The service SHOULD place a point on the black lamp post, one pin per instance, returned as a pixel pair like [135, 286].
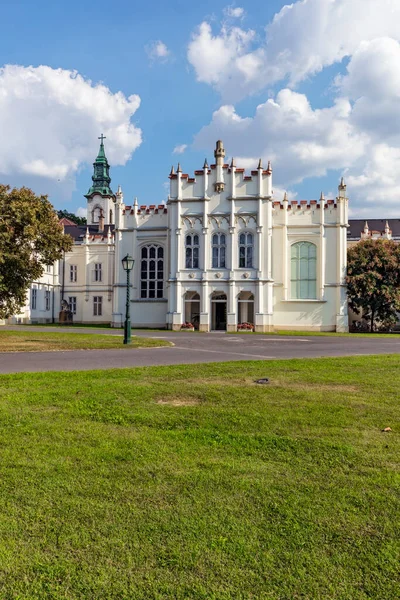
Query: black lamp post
[127, 263]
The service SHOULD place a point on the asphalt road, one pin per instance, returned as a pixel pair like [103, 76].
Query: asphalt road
[191, 348]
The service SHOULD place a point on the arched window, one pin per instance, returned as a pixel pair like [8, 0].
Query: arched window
[96, 213]
[218, 250]
[303, 280]
[152, 271]
[192, 251]
[246, 251]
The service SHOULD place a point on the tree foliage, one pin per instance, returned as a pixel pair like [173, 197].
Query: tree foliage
[67, 215]
[373, 280]
[30, 238]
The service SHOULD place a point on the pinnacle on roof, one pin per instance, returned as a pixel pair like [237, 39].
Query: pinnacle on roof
[342, 184]
[101, 174]
[172, 170]
[233, 163]
[179, 169]
[285, 197]
[205, 166]
[260, 164]
[322, 197]
[269, 167]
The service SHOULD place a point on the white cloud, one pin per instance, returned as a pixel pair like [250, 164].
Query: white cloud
[302, 39]
[158, 51]
[234, 12]
[81, 212]
[180, 149]
[51, 119]
[300, 141]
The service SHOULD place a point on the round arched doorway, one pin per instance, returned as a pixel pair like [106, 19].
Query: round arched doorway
[218, 311]
[246, 308]
[192, 308]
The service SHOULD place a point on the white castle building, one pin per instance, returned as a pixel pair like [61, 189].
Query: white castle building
[221, 252]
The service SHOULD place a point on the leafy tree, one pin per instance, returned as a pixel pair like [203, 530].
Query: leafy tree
[373, 280]
[67, 215]
[30, 238]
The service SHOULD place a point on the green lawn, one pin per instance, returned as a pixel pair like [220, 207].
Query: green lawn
[36, 341]
[193, 482]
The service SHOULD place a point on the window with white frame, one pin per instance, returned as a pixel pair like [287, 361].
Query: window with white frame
[33, 298]
[97, 306]
[73, 273]
[246, 248]
[72, 304]
[98, 272]
[303, 277]
[192, 251]
[218, 250]
[47, 299]
[152, 271]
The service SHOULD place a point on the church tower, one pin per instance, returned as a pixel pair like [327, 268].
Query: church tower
[100, 197]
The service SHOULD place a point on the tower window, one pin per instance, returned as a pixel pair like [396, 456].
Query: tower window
[192, 248]
[218, 250]
[303, 280]
[152, 271]
[246, 246]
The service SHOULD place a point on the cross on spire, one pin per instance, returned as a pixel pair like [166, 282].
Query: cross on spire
[102, 137]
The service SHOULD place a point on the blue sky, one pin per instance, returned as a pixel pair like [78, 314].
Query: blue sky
[296, 84]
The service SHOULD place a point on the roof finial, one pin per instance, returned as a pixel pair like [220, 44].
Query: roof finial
[285, 197]
[322, 197]
[205, 166]
[269, 168]
[219, 153]
[342, 185]
[172, 170]
[179, 170]
[366, 228]
[233, 163]
[135, 202]
[260, 164]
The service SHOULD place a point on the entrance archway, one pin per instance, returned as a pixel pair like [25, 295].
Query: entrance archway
[246, 308]
[192, 308]
[218, 311]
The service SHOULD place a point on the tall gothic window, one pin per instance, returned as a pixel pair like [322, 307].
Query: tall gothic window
[192, 249]
[246, 247]
[303, 279]
[218, 250]
[152, 272]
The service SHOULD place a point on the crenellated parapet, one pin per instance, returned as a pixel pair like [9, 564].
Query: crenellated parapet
[221, 180]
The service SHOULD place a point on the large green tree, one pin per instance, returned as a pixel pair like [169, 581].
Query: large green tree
[373, 280]
[71, 217]
[30, 238]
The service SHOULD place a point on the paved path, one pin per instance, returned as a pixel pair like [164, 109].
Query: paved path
[193, 348]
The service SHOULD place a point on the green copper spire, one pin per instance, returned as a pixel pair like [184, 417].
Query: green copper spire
[101, 174]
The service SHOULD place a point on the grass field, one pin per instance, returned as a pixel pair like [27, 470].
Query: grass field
[196, 483]
[35, 341]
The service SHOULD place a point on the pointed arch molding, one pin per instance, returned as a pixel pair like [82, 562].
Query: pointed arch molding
[218, 221]
[246, 220]
[191, 220]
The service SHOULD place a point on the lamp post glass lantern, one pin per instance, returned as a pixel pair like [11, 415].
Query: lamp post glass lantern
[127, 263]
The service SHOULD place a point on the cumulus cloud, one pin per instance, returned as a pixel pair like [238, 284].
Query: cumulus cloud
[180, 149]
[82, 212]
[51, 119]
[300, 141]
[158, 51]
[302, 39]
[234, 12]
